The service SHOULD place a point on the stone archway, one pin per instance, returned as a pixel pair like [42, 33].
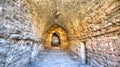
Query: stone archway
[62, 36]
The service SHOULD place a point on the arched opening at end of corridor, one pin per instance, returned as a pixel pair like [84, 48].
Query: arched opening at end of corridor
[56, 36]
[55, 40]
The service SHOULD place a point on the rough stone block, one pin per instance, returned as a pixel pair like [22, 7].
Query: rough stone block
[1, 9]
[16, 36]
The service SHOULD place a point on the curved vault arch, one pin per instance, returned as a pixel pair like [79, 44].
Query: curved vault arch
[61, 33]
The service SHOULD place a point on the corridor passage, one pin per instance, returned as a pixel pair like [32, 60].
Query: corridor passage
[45, 33]
[56, 58]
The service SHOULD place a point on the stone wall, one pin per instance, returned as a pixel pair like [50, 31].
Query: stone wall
[103, 51]
[103, 36]
[19, 40]
[100, 32]
[75, 46]
[98, 51]
[79, 49]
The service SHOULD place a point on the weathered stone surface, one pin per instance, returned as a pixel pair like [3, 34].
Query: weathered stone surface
[0, 9]
[16, 36]
[17, 55]
[21, 54]
[4, 34]
[31, 37]
[4, 48]
[102, 50]
[16, 50]
[26, 24]
[3, 51]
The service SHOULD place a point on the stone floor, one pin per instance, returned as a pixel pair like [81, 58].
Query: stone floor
[56, 58]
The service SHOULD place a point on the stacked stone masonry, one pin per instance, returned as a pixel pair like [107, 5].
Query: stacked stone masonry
[90, 29]
[19, 42]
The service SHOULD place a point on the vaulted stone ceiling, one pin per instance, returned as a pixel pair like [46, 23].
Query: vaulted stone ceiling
[76, 16]
[89, 28]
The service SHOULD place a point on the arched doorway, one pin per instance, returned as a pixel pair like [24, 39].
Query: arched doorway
[55, 40]
[60, 34]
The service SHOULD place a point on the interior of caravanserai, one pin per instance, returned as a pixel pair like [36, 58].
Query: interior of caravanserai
[59, 33]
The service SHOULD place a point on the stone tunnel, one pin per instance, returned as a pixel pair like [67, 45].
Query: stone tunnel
[59, 33]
